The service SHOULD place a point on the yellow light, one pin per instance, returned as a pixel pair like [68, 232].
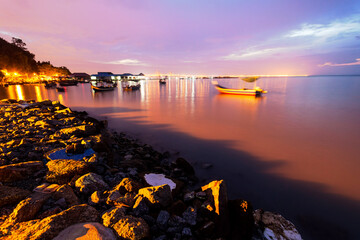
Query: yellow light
[38, 94]
[19, 92]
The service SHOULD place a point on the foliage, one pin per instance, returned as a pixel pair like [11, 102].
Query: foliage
[46, 68]
[19, 43]
[14, 57]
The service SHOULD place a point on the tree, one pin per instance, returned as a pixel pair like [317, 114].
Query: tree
[19, 43]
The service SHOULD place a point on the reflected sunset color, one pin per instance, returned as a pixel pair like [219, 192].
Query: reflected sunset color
[313, 131]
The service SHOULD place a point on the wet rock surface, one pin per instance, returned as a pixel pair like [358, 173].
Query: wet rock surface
[64, 175]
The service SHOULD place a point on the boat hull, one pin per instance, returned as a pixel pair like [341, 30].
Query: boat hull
[102, 89]
[247, 92]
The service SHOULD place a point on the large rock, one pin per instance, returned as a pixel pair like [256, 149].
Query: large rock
[113, 215]
[66, 192]
[127, 185]
[241, 219]
[216, 193]
[62, 171]
[11, 195]
[28, 208]
[19, 171]
[275, 226]
[78, 131]
[90, 183]
[50, 227]
[89, 230]
[159, 196]
[132, 228]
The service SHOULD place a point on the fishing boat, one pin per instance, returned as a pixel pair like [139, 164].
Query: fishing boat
[257, 91]
[103, 86]
[131, 87]
[67, 81]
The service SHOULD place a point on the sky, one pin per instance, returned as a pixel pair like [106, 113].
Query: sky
[204, 37]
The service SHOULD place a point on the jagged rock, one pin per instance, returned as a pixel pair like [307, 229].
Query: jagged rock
[275, 226]
[62, 171]
[90, 182]
[186, 232]
[89, 230]
[19, 171]
[217, 195]
[177, 208]
[241, 219]
[66, 192]
[50, 212]
[78, 131]
[132, 228]
[46, 188]
[189, 196]
[140, 208]
[50, 227]
[112, 197]
[190, 215]
[162, 219]
[11, 195]
[156, 196]
[96, 198]
[113, 215]
[28, 208]
[75, 148]
[127, 185]
[185, 166]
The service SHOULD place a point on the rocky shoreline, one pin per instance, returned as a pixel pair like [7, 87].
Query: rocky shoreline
[64, 175]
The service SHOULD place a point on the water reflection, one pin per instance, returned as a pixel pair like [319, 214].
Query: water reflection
[292, 123]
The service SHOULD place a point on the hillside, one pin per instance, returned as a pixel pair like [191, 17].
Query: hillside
[14, 57]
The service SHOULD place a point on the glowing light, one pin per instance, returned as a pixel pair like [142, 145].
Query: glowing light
[19, 92]
[38, 93]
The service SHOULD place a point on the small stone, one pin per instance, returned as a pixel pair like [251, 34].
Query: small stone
[186, 232]
[189, 196]
[201, 195]
[190, 215]
[163, 219]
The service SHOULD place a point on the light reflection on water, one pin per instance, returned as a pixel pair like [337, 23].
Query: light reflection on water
[309, 123]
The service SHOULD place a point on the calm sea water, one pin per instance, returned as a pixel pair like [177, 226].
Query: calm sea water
[296, 150]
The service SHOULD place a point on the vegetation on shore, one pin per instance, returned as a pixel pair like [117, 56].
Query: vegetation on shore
[16, 59]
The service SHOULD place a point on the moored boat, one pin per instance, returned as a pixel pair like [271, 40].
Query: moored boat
[163, 80]
[102, 86]
[131, 87]
[257, 91]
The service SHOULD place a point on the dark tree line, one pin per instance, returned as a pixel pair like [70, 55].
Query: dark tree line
[14, 57]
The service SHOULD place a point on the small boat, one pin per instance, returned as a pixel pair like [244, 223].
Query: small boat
[50, 85]
[60, 89]
[103, 86]
[163, 80]
[131, 87]
[257, 91]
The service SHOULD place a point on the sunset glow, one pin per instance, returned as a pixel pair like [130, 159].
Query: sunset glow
[188, 37]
